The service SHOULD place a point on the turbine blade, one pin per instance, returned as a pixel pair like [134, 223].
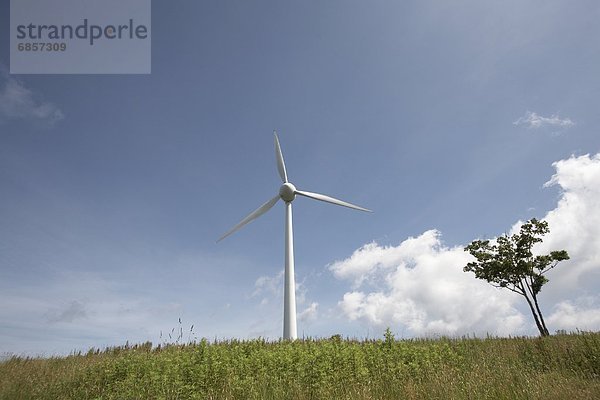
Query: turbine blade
[279, 158]
[252, 216]
[331, 200]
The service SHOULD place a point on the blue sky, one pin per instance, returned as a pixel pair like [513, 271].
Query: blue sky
[445, 119]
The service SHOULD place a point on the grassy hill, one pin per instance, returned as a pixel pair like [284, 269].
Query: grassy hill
[555, 367]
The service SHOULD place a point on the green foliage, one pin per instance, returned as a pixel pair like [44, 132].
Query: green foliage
[389, 337]
[563, 366]
[510, 260]
[510, 263]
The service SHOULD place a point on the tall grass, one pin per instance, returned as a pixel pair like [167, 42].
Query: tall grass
[555, 367]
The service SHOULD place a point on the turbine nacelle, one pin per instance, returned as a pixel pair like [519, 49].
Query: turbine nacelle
[287, 192]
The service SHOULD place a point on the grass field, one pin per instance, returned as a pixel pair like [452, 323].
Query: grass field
[555, 367]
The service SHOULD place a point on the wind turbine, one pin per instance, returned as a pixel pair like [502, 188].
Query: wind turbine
[287, 193]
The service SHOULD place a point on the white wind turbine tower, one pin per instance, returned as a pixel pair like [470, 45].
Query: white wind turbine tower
[287, 193]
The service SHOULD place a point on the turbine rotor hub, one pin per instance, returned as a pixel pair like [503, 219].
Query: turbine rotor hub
[287, 192]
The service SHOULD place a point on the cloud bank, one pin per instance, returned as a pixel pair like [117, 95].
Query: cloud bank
[575, 222]
[420, 286]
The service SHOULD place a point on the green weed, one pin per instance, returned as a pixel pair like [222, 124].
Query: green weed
[554, 367]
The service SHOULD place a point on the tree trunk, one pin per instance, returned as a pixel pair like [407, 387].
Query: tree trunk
[541, 328]
[539, 312]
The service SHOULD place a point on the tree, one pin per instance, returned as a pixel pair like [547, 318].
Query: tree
[509, 263]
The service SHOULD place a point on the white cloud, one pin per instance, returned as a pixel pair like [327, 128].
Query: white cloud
[534, 121]
[570, 316]
[310, 313]
[360, 266]
[421, 286]
[268, 286]
[271, 287]
[19, 102]
[575, 222]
